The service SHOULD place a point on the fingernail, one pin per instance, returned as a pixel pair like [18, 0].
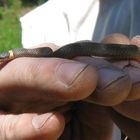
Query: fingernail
[39, 121]
[108, 75]
[67, 73]
[136, 40]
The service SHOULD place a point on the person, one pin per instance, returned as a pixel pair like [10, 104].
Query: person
[58, 86]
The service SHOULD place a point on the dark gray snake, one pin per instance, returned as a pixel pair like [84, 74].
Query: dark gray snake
[80, 48]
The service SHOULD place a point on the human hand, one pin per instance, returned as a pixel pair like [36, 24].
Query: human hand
[93, 121]
[124, 113]
[40, 85]
[23, 90]
[127, 115]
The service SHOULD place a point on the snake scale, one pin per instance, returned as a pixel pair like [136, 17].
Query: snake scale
[80, 48]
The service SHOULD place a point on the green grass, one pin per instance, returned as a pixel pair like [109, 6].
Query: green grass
[10, 30]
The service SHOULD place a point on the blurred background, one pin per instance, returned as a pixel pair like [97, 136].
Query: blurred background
[10, 12]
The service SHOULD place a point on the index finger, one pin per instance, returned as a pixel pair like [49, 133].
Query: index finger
[46, 79]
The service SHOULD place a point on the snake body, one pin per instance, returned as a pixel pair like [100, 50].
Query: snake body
[80, 48]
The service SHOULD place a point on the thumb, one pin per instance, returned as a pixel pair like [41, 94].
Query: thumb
[47, 126]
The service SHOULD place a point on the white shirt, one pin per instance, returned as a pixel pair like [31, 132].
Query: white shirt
[65, 21]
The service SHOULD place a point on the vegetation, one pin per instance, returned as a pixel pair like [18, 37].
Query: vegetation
[9, 29]
[10, 12]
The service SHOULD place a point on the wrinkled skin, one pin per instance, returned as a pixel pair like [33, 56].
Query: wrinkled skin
[82, 97]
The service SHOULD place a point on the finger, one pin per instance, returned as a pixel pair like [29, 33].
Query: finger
[129, 109]
[47, 126]
[58, 76]
[113, 85]
[41, 79]
[116, 38]
[133, 69]
[129, 127]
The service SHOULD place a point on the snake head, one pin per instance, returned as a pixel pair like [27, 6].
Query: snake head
[6, 56]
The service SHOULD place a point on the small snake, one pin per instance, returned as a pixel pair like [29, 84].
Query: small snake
[80, 48]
